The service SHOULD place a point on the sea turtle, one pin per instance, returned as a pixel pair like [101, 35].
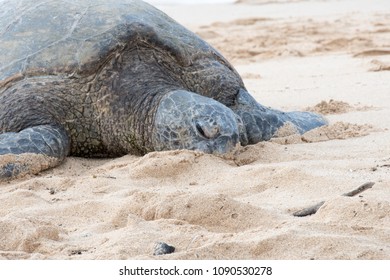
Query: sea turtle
[103, 78]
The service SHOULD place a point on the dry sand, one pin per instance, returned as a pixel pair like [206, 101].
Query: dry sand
[240, 206]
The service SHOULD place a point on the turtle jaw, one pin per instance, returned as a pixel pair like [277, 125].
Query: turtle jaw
[186, 120]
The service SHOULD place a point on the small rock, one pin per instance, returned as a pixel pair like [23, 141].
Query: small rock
[162, 248]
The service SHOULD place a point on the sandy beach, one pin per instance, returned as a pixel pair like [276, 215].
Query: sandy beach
[327, 56]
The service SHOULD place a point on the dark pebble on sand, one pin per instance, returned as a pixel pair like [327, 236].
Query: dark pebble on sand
[162, 248]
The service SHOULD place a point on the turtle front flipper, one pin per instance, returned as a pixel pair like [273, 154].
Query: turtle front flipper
[32, 150]
[262, 123]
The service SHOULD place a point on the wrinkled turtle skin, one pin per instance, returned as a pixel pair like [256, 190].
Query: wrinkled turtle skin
[97, 78]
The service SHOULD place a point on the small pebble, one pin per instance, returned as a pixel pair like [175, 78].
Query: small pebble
[162, 248]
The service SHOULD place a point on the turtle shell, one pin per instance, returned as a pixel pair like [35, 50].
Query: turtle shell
[75, 37]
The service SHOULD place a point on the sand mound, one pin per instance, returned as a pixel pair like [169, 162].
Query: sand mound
[379, 65]
[338, 130]
[20, 234]
[355, 212]
[332, 107]
[216, 213]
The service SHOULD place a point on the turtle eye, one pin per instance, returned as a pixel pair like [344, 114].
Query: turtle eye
[207, 128]
[200, 130]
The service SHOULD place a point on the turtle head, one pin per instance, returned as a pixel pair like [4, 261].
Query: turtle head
[185, 120]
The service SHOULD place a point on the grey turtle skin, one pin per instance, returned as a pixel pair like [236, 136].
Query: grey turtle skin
[96, 78]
